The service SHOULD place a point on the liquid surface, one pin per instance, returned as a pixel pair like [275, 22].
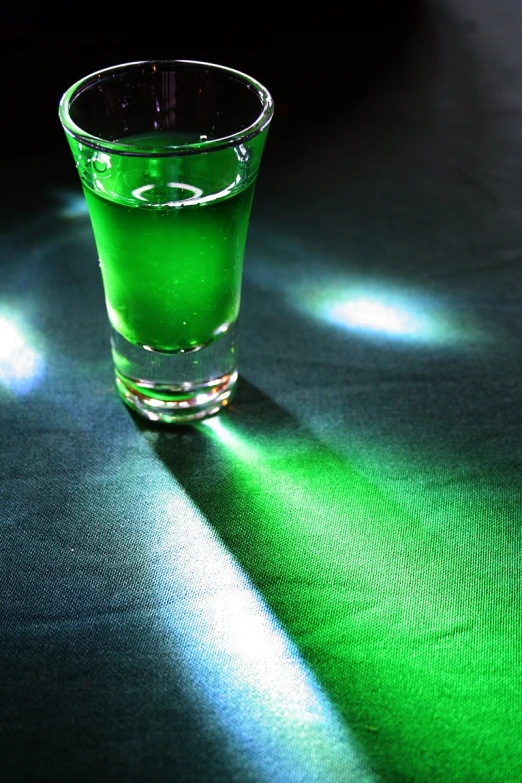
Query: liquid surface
[171, 246]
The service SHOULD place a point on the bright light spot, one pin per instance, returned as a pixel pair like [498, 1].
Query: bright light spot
[248, 672]
[21, 367]
[384, 311]
[365, 313]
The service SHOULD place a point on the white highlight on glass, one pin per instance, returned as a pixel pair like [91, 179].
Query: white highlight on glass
[138, 192]
[242, 153]
[249, 674]
[197, 196]
[196, 192]
[21, 367]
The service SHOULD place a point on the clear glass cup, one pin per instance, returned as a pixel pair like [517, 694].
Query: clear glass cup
[168, 154]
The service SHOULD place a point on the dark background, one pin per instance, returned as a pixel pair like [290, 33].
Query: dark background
[315, 63]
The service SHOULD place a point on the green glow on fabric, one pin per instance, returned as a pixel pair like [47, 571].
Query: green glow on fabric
[383, 310]
[384, 606]
[249, 675]
[21, 367]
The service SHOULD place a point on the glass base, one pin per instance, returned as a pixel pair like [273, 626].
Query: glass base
[176, 388]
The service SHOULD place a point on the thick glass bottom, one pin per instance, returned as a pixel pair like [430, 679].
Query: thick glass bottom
[195, 404]
[176, 388]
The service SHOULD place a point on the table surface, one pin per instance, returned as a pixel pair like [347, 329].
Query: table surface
[322, 584]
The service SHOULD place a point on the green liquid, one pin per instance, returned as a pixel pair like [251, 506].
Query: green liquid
[171, 269]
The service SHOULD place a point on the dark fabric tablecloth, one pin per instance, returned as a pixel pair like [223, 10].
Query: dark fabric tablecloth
[322, 584]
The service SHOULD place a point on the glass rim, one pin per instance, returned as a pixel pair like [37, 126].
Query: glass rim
[206, 145]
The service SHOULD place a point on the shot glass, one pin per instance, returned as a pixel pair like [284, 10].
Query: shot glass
[168, 153]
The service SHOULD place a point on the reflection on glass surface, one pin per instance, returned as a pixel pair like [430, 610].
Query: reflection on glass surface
[21, 367]
[139, 192]
[249, 674]
[189, 196]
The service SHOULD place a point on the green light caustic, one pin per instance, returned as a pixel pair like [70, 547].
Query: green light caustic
[401, 624]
